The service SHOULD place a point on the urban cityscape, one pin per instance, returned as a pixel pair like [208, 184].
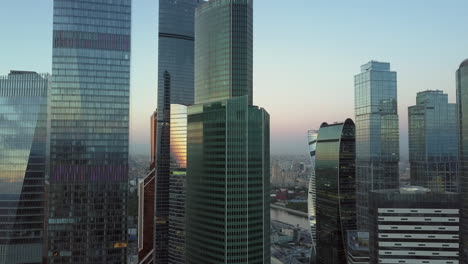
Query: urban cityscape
[138, 132]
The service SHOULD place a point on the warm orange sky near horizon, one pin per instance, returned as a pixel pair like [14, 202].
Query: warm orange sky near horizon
[306, 54]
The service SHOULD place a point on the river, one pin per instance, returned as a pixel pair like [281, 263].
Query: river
[289, 218]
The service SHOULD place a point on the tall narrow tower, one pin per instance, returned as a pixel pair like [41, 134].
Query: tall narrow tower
[23, 133]
[228, 168]
[377, 135]
[175, 86]
[336, 190]
[462, 101]
[88, 177]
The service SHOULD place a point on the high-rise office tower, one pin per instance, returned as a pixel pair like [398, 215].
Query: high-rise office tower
[336, 190]
[175, 86]
[312, 143]
[414, 225]
[228, 168]
[23, 133]
[88, 177]
[462, 102]
[433, 142]
[377, 135]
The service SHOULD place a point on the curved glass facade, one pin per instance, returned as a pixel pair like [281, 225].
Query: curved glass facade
[433, 142]
[312, 143]
[87, 218]
[23, 132]
[462, 101]
[336, 190]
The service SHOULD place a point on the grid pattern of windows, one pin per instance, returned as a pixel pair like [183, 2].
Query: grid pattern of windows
[23, 131]
[176, 50]
[228, 173]
[377, 135]
[175, 86]
[228, 183]
[415, 226]
[336, 190]
[433, 142]
[224, 61]
[462, 101]
[89, 132]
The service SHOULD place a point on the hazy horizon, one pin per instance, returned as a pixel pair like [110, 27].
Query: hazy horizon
[306, 54]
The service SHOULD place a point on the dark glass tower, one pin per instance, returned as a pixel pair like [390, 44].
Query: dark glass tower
[228, 168]
[377, 135]
[88, 178]
[336, 190]
[224, 64]
[175, 86]
[462, 101]
[23, 132]
[433, 142]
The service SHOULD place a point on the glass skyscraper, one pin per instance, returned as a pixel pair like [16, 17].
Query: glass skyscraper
[88, 177]
[377, 135]
[224, 66]
[462, 102]
[228, 163]
[23, 133]
[177, 183]
[433, 142]
[175, 86]
[336, 190]
[312, 143]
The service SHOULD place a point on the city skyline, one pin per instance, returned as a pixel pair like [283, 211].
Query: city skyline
[421, 39]
[215, 176]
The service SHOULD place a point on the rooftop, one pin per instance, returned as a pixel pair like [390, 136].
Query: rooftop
[464, 63]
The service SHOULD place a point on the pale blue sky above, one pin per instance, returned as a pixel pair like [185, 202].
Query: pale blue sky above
[306, 53]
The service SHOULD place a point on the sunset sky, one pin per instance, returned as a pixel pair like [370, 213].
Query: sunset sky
[306, 53]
